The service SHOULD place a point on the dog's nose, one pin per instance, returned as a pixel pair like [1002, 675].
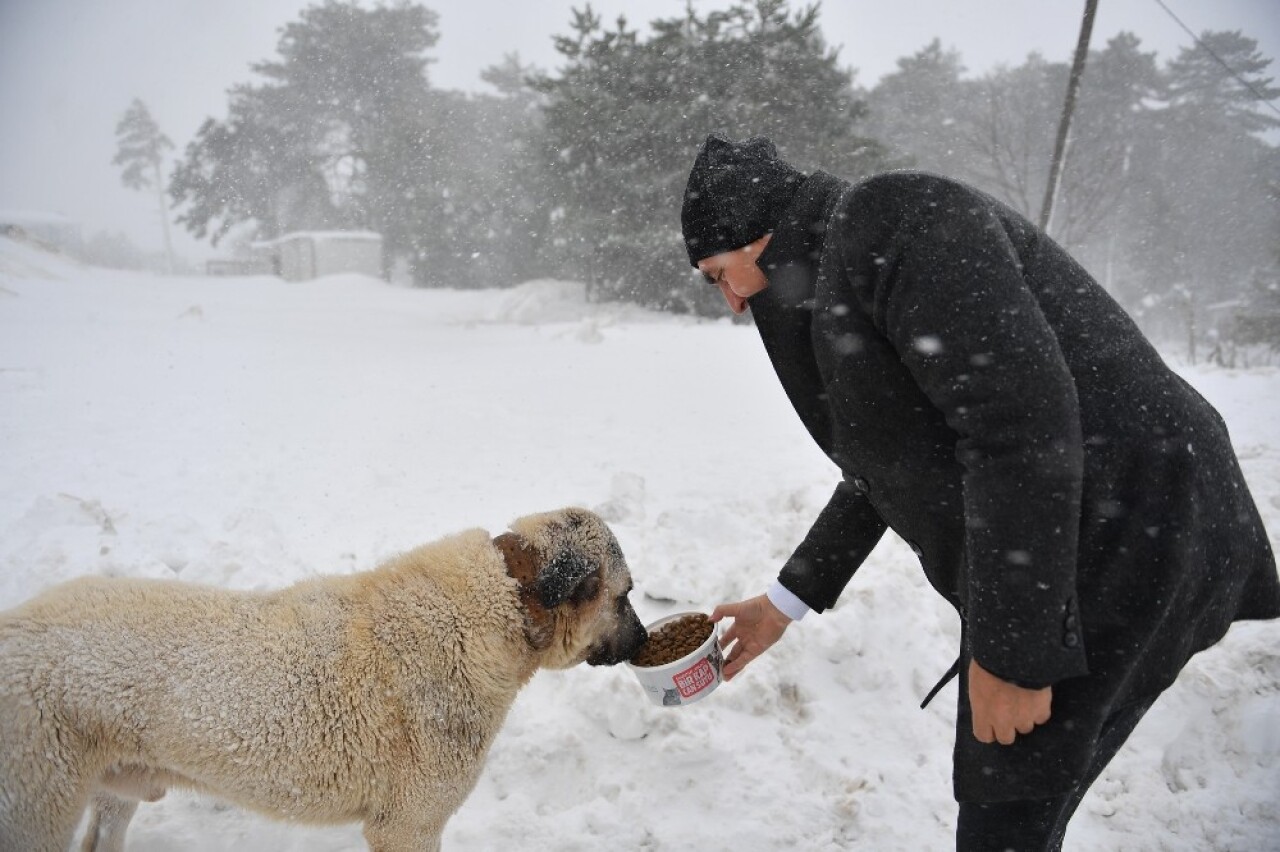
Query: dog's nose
[637, 637]
[623, 648]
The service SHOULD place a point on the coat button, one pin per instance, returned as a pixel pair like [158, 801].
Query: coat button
[861, 485]
[1071, 640]
[1070, 622]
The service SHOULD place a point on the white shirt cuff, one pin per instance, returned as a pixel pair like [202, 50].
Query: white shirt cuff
[784, 599]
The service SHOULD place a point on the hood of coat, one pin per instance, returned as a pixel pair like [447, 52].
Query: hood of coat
[791, 258]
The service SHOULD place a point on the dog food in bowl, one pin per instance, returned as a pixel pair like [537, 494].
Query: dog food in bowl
[673, 640]
[680, 662]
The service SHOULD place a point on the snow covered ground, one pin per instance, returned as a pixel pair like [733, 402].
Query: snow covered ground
[249, 433]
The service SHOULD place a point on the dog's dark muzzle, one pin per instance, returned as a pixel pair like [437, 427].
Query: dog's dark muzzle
[623, 645]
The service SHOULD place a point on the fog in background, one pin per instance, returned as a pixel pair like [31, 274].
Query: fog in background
[69, 68]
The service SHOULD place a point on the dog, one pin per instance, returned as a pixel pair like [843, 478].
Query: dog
[371, 697]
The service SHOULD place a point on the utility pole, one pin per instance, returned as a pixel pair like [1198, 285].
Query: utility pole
[1068, 107]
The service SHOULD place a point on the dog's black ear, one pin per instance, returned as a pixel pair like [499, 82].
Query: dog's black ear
[562, 576]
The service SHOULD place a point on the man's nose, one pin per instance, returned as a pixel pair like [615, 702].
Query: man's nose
[736, 303]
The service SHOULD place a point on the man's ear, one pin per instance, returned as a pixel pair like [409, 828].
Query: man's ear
[561, 576]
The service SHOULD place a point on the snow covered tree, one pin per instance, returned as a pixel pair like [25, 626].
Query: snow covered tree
[337, 136]
[626, 114]
[346, 132]
[140, 152]
[236, 171]
[996, 131]
[1010, 129]
[479, 215]
[918, 109]
[1221, 81]
[1205, 203]
[1118, 86]
[1168, 194]
[1258, 322]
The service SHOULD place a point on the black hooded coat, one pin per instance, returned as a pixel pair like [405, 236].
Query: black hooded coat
[1076, 501]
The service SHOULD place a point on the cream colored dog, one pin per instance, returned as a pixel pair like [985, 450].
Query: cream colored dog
[369, 697]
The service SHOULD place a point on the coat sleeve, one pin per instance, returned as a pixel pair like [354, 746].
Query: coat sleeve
[837, 544]
[949, 294]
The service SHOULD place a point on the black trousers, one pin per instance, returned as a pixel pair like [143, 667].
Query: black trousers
[1039, 825]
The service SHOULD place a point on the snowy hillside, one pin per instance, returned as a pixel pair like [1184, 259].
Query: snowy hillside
[249, 433]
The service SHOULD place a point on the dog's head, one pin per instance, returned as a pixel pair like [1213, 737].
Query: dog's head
[574, 584]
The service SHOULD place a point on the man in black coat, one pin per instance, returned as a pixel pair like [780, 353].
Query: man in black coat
[1076, 501]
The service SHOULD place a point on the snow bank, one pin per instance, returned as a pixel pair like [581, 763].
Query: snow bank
[250, 433]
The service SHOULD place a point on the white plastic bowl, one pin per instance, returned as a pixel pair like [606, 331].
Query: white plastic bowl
[691, 678]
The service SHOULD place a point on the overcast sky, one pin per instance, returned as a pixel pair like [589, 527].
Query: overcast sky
[69, 68]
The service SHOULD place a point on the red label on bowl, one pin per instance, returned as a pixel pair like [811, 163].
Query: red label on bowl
[695, 678]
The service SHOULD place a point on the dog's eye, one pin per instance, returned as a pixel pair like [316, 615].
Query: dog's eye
[586, 590]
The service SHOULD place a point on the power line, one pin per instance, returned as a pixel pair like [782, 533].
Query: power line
[1219, 59]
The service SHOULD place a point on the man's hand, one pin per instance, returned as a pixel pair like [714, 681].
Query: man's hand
[757, 624]
[1002, 710]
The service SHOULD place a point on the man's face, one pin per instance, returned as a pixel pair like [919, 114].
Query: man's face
[736, 274]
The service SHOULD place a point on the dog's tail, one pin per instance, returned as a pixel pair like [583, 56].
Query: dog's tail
[108, 822]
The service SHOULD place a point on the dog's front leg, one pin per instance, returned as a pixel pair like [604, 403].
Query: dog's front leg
[403, 832]
[108, 823]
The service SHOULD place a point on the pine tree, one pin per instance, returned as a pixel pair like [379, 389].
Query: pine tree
[917, 111]
[478, 217]
[140, 153]
[626, 114]
[337, 136]
[1207, 178]
[1221, 81]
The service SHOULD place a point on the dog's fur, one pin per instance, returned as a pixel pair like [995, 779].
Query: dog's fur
[369, 697]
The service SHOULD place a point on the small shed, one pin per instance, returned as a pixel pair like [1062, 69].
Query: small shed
[303, 255]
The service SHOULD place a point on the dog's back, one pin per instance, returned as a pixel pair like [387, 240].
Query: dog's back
[111, 676]
[281, 701]
[129, 661]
